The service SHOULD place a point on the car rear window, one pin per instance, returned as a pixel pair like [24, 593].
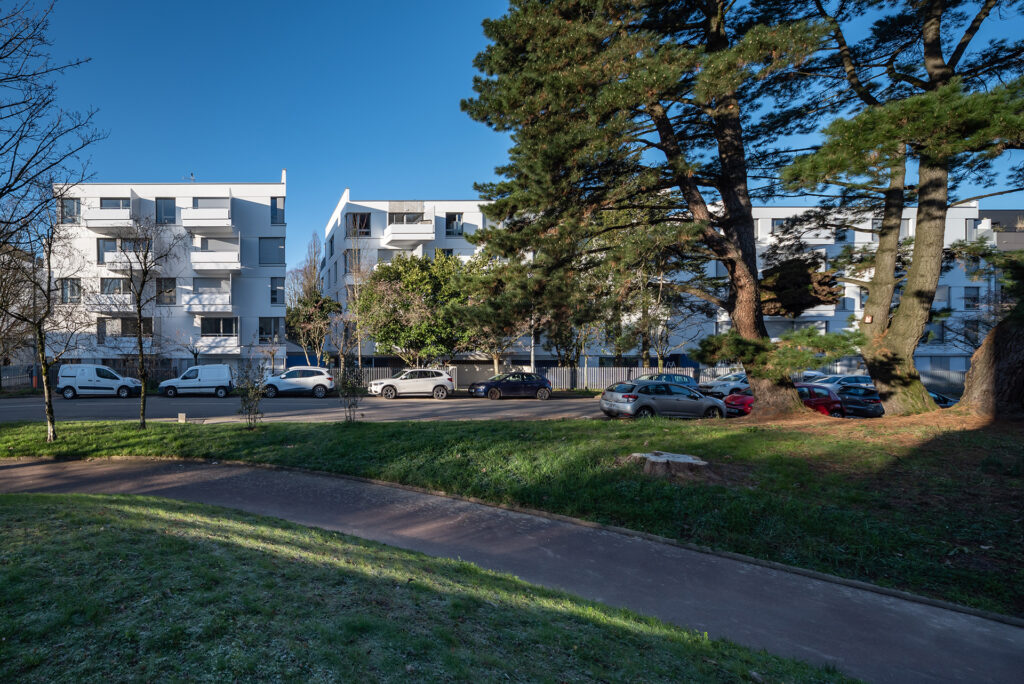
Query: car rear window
[622, 388]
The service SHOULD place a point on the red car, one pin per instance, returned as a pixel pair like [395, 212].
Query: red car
[817, 397]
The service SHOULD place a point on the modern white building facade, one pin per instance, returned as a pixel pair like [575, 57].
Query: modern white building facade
[219, 295]
[361, 234]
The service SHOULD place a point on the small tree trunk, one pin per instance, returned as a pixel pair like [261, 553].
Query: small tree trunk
[645, 350]
[495, 358]
[51, 421]
[143, 374]
[994, 382]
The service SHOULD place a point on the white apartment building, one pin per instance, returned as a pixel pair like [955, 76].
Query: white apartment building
[219, 295]
[371, 232]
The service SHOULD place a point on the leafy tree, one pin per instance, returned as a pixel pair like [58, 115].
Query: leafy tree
[310, 316]
[408, 307]
[496, 314]
[615, 105]
[923, 99]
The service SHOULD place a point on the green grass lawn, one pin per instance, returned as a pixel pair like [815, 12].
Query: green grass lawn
[929, 505]
[114, 588]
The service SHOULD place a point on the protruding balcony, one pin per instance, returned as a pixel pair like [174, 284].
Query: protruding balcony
[108, 303]
[215, 261]
[106, 221]
[220, 344]
[123, 261]
[208, 221]
[207, 302]
[404, 235]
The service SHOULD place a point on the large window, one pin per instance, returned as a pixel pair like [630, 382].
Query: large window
[352, 260]
[277, 290]
[115, 286]
[934, 333]
[972, 297]
[272, 250]
[941, 296]
[330, 246]
[218, 327]
[137, 245]
[211, 202]
[105, 247]
[70, 290]
[453, 224]
[165, 210]
[277, 210]
[218, 244]
[208, 285]
[166, 291]
[115, 203]
[401, 218]
[357, 224]
[130, 327]
[70, 210]
[271, 330]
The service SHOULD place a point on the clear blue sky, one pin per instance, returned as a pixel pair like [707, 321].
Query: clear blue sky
[343, 94]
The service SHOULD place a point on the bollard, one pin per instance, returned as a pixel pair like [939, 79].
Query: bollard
[182, 418]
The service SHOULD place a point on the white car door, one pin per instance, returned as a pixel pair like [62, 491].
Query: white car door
[86, 382]
[288, 382]
[189, 382]
[107, 381]
[421, 382]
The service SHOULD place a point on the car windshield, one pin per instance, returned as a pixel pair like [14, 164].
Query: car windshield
[498, 378]
[748, 392]
[732, 377]
[399, 374]
[622, 388]
[827, 379]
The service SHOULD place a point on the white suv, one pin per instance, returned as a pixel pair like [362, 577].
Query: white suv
[435, 383]
[300, 380]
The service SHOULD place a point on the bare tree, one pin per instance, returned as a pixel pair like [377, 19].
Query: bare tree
[145, 251]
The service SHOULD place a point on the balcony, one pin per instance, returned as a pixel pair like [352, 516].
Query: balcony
[208, 221]
[122, 261]
[226, 344]
[106, 221]
[108, 303]
[207, 302]
[409, 234]
[215, 262]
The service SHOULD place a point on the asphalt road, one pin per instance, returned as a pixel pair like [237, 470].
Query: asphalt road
[306, 409]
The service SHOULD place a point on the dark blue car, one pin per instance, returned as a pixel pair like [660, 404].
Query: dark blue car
[512, 385]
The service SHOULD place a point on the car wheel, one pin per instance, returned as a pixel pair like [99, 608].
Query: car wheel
[170, 392]
[221, 392]
[543, 394]
[389, 392]
[645, 412]
[440, 392]
[494, 393]
[122, 392]
[713, 412]
[319, 391]
[836, 414]
[69, 393]
[270, 391]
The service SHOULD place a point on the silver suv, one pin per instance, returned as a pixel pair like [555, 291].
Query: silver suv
[414, 381]
[645, 399]
[300, 380]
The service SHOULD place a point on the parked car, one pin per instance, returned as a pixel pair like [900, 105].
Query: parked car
[91, 380]
[512, 385]
[808, 376]
[214, 378]
[675, 378]
[822, 399]
[645, 399]
[414, 381]
[300, 380]
[942, 400]
[734, 383]
[861, 400]
[845, 380]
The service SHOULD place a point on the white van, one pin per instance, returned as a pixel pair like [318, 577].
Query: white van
[214, 378]
[91, 380]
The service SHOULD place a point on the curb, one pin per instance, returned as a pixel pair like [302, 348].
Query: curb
[773, 565]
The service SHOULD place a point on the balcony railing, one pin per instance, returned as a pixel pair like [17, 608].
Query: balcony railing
[106, 220]
[217, 302]
[215, 261]
[199, 219]
[219, 344]
[108, 303]
[409, 234]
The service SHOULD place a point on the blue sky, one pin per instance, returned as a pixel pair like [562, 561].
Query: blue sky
[342, 94]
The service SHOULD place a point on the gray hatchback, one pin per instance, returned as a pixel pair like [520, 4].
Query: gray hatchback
[646, 398]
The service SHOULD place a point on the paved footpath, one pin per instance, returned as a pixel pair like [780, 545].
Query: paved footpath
[869, 635]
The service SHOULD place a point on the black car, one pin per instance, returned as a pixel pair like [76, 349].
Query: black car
[860, 400]
[512, 385]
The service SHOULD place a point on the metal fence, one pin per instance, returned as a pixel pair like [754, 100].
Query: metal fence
[15, 377]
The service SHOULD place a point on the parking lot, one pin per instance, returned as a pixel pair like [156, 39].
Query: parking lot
[308, 409]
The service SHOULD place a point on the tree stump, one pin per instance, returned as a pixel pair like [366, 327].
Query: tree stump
[664, 464]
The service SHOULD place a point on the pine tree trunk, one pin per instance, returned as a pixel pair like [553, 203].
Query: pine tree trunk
[994, 382]
[51, 421]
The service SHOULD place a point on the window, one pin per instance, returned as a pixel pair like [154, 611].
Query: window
[779, 225]
[272, 250]
[277, 290]
[404, 218]
[971, 232]
[876, 228]
[972, 331]
[453, 224]
[165, 210]
[271, 330]
[115, 286]
[904, 229]
[218, 327]
[106, 374]
[211, 202]
[939, 363]
[972, 297]
[191, 374]
[210, 285]
[842, 235]
[70, 210]
[330, 246]
[218, 244]
[352, 260]
[443, 252]
[115, 203]
[130, 327]
[105, 247]
[137, 245]
[166, 291]
[357, 224]
[942, 295]
[70, 290]
[334, 271]
[384, 256]
[277, 210]
[934, 333]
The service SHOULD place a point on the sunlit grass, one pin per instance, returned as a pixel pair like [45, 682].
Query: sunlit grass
[925, 507]
[118, 588]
